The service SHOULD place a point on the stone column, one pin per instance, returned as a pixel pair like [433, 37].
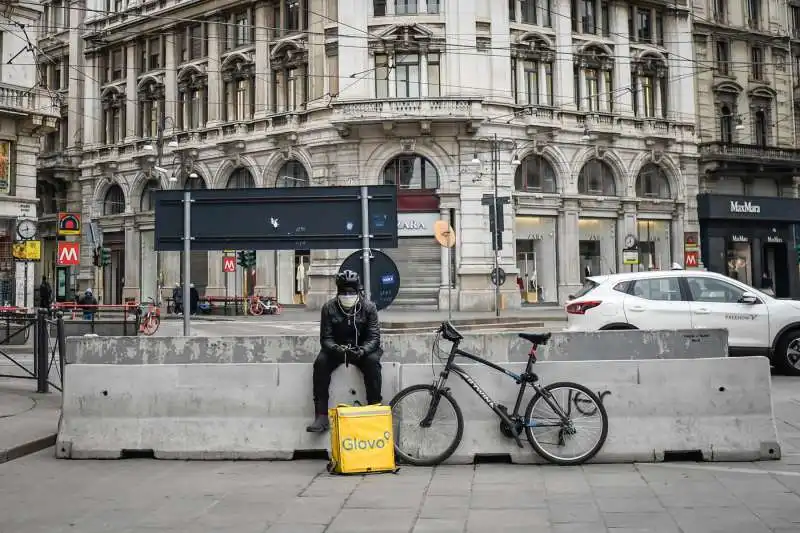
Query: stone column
[131, 116]
[215, 286]
[262, 60]
[215, 92]
[444, 260]
[132, 247]
[568, 249]
[170, 85]
[676, 236]
[626, 225]
[623, 100]
[563, 65]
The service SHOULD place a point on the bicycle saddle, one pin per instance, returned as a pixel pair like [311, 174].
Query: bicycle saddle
[536, 338]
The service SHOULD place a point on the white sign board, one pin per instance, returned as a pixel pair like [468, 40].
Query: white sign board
[416, 224]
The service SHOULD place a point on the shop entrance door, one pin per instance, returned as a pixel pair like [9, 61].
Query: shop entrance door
[530, 290]
[776, 263]
[590, 259]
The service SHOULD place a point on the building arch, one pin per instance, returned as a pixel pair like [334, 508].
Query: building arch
[532, 37]
[102, 187]
[275, 163]
[589, 45]
[229, 166]
[380, 157]
[114, 201]
[618, 170]
[148, 80]
[671, 170]
[555, 157]
[233, 58]
[240, 177]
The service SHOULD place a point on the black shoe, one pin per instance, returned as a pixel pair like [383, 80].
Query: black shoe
[319, 424]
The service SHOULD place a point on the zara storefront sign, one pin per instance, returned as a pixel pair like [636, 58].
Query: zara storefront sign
[416, 224]
[745, 207]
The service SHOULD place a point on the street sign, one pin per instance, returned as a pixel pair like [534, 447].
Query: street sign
[69, 224]
[283, 218]
[229, 263]
[384, 276]
[69, 253]
[690, 259]
[502, 276]
[27, 250]
[630, 257]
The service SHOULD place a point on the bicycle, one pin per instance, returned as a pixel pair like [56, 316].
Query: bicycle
[150, 321]
[268, 305]
[413, 448]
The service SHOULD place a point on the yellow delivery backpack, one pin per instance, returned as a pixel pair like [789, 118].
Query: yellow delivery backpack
[361, 439]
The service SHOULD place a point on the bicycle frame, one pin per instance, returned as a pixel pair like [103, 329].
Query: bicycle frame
[523, 380]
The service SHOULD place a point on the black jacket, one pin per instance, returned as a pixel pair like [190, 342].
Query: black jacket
[362, 329]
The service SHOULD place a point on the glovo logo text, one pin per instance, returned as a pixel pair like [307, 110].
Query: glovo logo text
[356, 445]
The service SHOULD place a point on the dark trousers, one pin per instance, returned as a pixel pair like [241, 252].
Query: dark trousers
[326, 363]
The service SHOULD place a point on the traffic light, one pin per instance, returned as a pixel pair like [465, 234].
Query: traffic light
[496, 226]
[96, 257]
[105, 256]
[251, 258]
[241, 259]
[246, 258]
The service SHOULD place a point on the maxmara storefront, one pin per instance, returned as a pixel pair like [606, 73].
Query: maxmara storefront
[745, 236]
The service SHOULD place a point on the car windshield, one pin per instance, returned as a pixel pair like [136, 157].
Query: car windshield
[588, 286]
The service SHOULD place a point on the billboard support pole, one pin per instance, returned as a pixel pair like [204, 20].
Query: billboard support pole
[187, 260]
[365, 248]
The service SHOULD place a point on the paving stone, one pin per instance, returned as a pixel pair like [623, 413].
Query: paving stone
[661, 522]
[311, 510]
[567, 513]
[439, 525]
[384, 520]
[396, 498]
[714, 520]
[622, 505]
[484, 520]
[583, 527]
[294, 528]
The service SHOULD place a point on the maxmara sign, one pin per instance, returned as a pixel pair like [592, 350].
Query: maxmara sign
[744, 207]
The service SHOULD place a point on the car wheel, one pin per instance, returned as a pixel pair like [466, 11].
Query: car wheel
[787, 356]
[617, 327]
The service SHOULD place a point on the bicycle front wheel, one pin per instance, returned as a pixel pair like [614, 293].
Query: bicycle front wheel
[425, 446]
[570, 442]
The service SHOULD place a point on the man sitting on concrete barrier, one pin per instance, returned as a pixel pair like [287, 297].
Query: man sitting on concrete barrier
[349, 331]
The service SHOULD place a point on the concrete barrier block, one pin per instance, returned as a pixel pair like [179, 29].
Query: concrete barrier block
[416, 348]
[199, 411]
[721, 408]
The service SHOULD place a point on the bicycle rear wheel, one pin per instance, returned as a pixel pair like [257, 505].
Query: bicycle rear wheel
[559, 442]
[419, 446]
[151, 325]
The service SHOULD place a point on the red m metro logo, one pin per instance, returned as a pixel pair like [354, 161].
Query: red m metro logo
[69, 253]
[229, 264]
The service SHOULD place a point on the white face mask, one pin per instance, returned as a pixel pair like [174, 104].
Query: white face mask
[348, 300]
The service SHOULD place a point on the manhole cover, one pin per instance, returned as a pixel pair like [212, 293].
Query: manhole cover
[14, 404]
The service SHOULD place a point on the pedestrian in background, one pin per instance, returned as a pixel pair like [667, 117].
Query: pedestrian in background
[767, 286]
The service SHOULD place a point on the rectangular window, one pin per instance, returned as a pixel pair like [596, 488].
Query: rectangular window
[721, 11]
[757, 62]
[116, 125]
[576, 84]
[512, 10]
[407, 79]
[118, 64]
[379, 8]
[333, 75]
[754, 13]
[154, 50]
[381, 76]
[405, 7]
[608, 90]
[433, 7]
[795, 21]
[528, 11]
[514, 88]
[197, 42]
[434, 71]
[723, 58]
[648, 96]
[548, 84]
[584, 21]
[531, 76]
[196, 108]
[605, 18]
[142, 47]
[592, 89]
[644, 25]
[241, 33]
[241, 99]
[57, 81]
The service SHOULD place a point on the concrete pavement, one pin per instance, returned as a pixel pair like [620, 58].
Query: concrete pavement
[145, 496]
[28, 421]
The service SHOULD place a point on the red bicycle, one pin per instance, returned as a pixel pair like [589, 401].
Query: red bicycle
[151, 319]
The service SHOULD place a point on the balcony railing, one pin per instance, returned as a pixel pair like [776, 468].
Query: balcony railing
[747, 152]
[30, 101]
[407, 108]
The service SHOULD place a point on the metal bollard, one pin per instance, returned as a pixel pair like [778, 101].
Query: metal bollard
[41, 352]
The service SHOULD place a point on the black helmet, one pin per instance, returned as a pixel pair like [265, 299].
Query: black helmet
[347, 279]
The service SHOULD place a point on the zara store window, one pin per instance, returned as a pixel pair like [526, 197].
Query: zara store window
[536, 258]
[597, 246]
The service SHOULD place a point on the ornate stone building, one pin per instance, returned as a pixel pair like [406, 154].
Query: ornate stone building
[580, 107]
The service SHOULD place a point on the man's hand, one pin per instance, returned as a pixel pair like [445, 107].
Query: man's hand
[357, 352]
[338, 348]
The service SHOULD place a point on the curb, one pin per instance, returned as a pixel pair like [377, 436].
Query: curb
[467, 322]
[28, 448]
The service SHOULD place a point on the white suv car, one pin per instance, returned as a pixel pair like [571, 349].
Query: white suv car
[757, 324]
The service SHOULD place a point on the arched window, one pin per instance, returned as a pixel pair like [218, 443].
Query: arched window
[147, 202]
[292, 174]
[597, 178]
[411, 172]
[726, 125]
[114, 202]
[241, 179]
[535, 174]
[652, 182]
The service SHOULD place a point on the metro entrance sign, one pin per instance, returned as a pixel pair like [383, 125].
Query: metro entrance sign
[229, 264]
[690, 259]
[69, 253]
